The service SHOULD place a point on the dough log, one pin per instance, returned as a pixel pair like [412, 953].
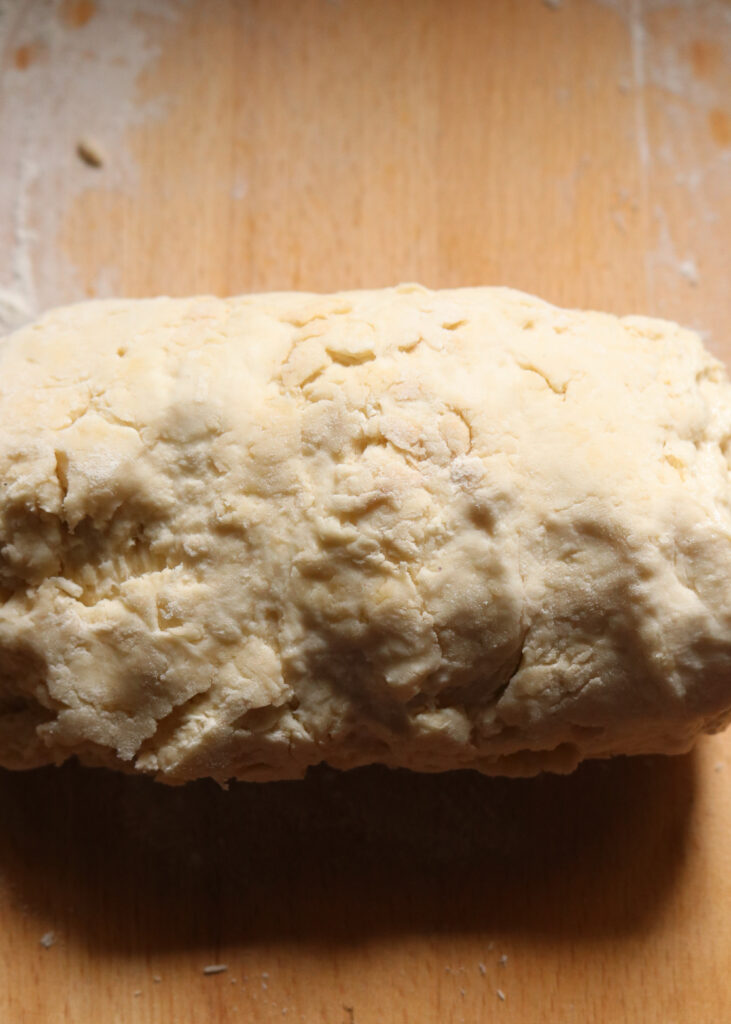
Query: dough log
[429, 529]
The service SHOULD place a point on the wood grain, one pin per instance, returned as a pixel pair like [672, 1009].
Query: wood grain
[581, 153]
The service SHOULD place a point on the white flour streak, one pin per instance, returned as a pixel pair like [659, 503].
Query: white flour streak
[637, 37]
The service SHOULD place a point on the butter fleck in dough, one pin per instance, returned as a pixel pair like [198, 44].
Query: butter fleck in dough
[430, 529]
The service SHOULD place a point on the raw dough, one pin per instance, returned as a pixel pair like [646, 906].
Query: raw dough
[431, 529]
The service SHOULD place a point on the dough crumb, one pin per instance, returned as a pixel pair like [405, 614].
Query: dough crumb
[500, 994]
[90, 153]
[48, 939]
[503, 960]
[215, 968]
[482, 969]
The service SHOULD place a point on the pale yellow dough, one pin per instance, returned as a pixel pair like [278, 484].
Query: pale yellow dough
[430, 529]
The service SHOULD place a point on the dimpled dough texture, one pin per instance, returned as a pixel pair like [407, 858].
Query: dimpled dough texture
[430, 529]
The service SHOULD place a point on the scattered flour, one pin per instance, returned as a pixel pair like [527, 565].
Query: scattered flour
[95, 68]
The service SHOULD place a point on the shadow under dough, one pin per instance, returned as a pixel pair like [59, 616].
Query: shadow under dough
[128, 865]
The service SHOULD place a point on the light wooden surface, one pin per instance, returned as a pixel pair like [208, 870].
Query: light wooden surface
[582, 153]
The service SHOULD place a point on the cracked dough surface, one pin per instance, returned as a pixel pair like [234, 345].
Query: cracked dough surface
[431, 529]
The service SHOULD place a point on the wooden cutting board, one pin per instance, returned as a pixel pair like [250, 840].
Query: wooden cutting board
[576, 149]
